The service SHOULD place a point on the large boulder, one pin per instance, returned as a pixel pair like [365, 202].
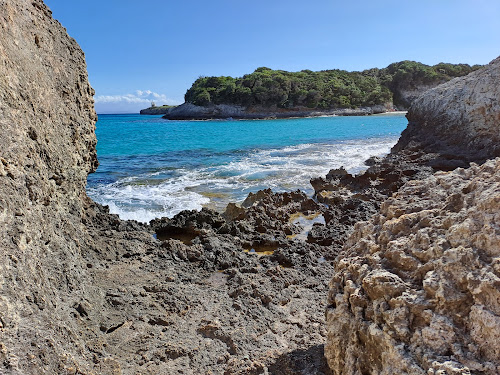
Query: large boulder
[417, 289]
[459, 119]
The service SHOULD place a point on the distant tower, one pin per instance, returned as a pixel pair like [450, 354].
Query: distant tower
[153, 104]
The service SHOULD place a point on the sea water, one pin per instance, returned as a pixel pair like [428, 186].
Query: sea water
[151, 167]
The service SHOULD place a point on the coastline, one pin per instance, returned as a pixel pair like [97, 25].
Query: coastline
[391, 113]
[258, 159]
[188, 111]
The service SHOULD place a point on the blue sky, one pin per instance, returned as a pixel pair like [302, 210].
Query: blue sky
[139, 51]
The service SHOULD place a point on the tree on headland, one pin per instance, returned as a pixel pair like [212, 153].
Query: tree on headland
[324, 89]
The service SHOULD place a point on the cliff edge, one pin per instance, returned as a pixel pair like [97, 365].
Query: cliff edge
[53, 238]
[459, 119]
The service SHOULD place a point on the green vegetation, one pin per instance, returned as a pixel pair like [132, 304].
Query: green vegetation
[324, 89]
[165, 106]
[157, 110]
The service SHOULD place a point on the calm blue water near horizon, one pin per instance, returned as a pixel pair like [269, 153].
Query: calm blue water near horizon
[151, 167]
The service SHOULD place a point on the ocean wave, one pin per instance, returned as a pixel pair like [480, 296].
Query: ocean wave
[144, 196]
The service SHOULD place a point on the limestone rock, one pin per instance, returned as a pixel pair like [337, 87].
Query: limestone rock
[417, 288]
[459, 119]
[47, 149]
[82, 292]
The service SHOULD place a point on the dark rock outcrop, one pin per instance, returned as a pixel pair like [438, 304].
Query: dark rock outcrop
[161, 110]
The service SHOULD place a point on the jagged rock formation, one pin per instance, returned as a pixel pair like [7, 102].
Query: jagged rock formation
[417, 288]
[82, 292]
[459, 120]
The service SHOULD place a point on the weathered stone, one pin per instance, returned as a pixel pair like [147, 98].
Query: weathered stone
[416, 289]
[459, 120]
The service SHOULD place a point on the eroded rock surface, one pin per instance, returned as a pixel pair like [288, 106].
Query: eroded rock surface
[417, 288]
[459, 120]
[82, 292]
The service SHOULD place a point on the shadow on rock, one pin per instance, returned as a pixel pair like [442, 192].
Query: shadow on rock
[310, 361]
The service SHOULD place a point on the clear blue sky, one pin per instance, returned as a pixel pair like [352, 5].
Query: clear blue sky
[138, 51]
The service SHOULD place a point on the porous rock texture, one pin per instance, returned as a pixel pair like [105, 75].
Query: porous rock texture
[459, 120]
[417, 290]
[82, 292]
[47, 148]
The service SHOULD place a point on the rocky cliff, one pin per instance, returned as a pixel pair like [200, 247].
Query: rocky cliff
[416, 288]
[459, 119]
[82, 292]
[47, 148]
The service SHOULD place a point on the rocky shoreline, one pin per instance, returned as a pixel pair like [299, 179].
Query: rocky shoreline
[189, 111]
[158, 110]
[403, 258]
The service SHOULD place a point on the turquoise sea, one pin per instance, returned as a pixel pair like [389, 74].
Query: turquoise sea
[150, 167]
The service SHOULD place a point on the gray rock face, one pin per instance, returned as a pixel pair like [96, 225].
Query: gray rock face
[82, 292]
[47, 148]
[460, 118]
[416, 289]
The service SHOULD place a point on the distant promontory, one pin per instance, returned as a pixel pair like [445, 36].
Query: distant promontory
[268, 93]
[157, 110]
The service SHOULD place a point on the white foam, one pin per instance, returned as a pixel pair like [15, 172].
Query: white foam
[282, 169]
[145, 202]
